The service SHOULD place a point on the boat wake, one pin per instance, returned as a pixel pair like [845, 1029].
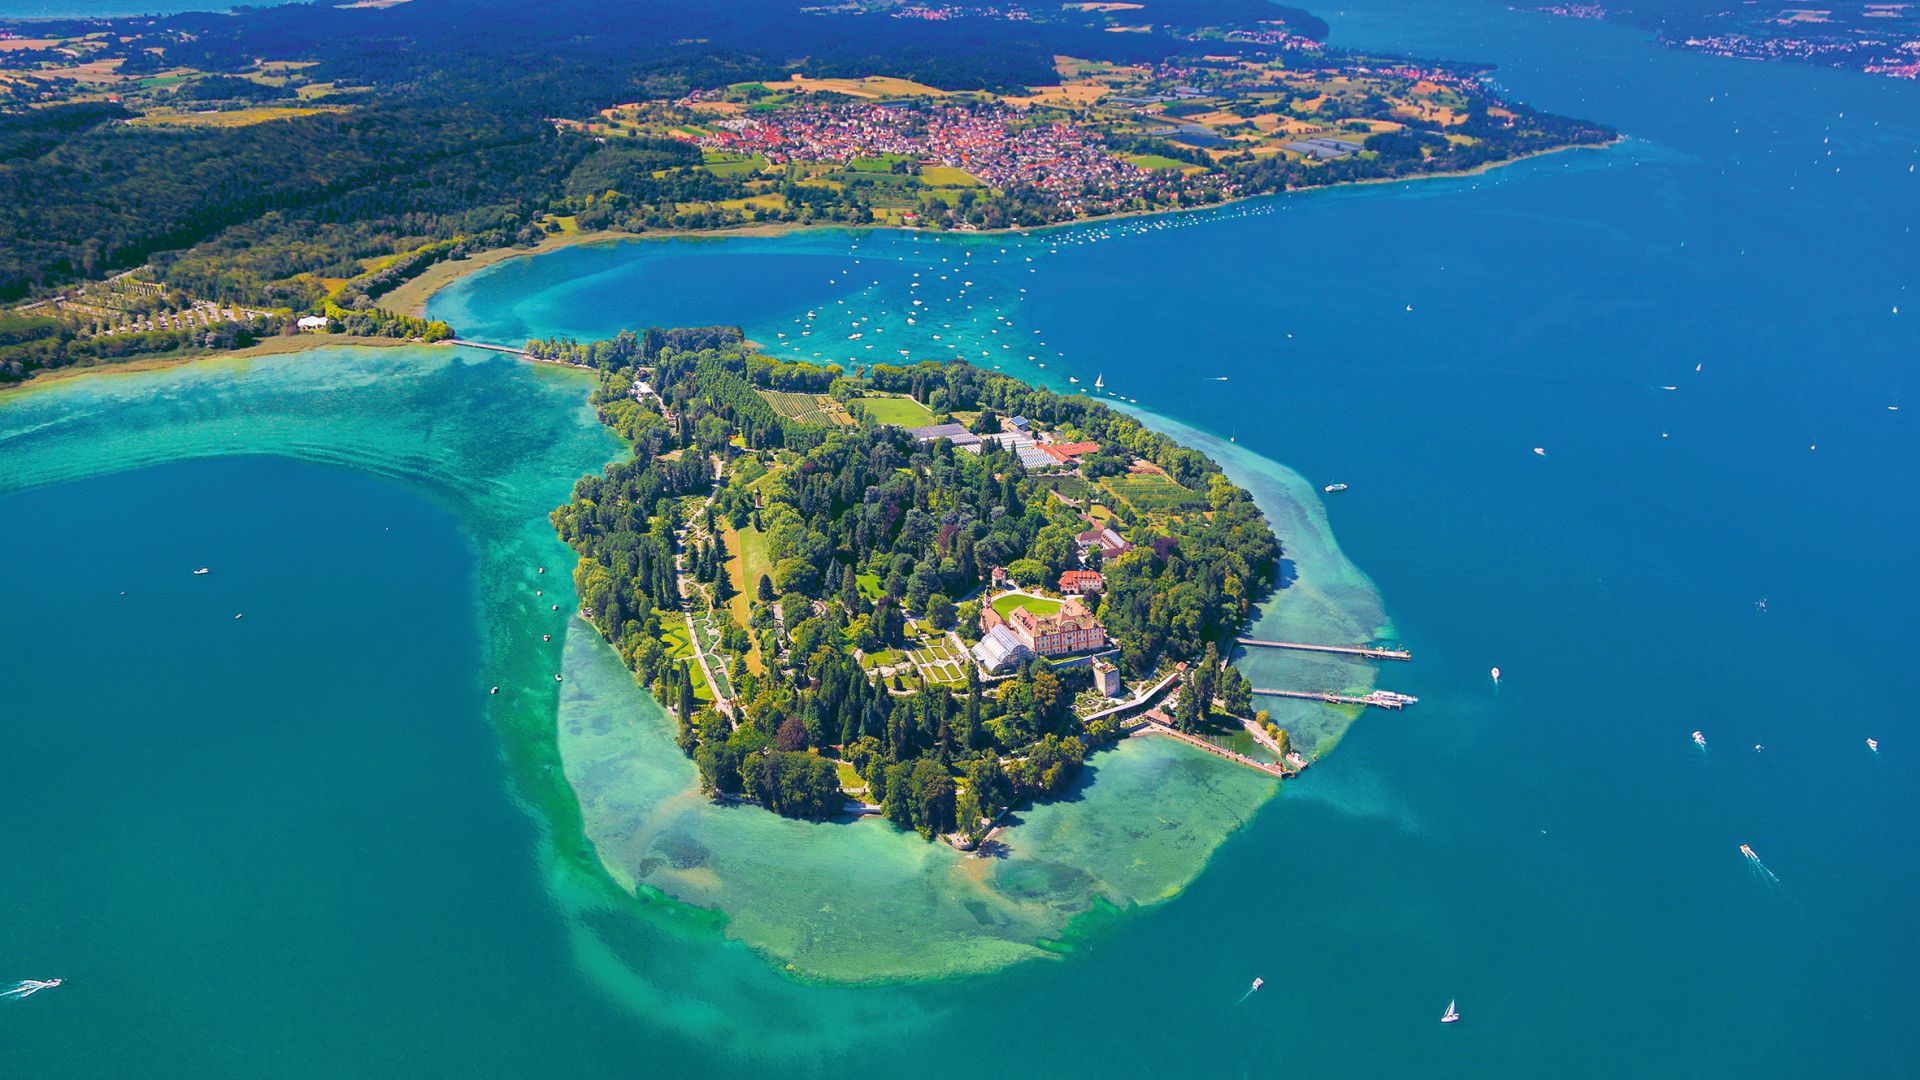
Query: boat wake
[1250, 990]
[1759, 868]
[26, 988]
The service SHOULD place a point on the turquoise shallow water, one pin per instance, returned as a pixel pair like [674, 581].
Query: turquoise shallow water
[1555, 852]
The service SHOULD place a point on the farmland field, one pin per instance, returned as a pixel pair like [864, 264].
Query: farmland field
[808, 408]
[1147, 494]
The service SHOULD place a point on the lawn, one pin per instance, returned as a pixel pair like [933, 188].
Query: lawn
[902, 410]
[748, 558]
[1006, 605]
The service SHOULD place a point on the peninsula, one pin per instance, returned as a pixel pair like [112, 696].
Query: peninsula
[924, 591]
[192, 183]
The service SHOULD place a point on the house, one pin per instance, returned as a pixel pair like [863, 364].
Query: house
[1070, 453]
[999, 650]
[1110, 543]
[1071, 629]
[1017, 425]
[1081, 582]
[1000, 578]
[1106, 679]
[316, 324]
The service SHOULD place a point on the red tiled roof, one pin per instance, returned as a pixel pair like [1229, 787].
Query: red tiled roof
[1068, 451]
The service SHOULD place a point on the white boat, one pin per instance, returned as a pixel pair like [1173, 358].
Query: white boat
[1071, 379]
[1748, 852]
[1452, 1014]
[1331, 488]
[1699, 739]
[1873, 745]
[1100, 382]
[202, 570]
[1496, 676]
[1258, 983]
[1541, 450]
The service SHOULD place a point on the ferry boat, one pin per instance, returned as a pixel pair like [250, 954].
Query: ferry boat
[1331, 488]
[1452, 1015]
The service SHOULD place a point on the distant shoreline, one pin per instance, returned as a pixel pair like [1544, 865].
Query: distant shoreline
[412, 298]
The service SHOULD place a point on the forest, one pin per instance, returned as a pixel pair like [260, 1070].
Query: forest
[867, 530]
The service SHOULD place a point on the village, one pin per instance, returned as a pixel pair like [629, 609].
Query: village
[999, 145]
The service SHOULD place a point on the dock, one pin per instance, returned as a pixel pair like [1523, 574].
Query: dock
[1379, 699]
[487, 346]
[1368, 651]
[1152, 726]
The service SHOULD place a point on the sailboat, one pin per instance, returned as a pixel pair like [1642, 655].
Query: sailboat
[1452, 1014]
[1100, 382]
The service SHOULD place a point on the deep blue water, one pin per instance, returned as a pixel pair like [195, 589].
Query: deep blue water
[1556, 853]
[259, 846]
[70, 9]
[280, 846]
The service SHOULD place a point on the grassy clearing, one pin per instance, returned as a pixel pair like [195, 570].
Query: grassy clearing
[901, 410]
[231, 118]
[746, 561]
[850, 781]
[883, 163]
[1158, 162]
[720, 163]
[947, 176]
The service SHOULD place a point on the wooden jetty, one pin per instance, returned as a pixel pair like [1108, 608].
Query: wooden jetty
[1380, 699]
[1368, 651]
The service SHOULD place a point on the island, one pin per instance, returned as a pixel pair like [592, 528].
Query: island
[925, 592]
[177, 185]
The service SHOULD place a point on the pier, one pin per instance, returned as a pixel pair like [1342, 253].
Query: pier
[488, 347]
[1153, 726]
[1368, 651]
[1379, 699]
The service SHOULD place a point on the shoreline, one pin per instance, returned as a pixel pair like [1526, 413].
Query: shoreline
[413, 297]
